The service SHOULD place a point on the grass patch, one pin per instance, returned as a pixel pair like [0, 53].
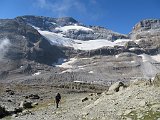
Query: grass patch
[150, 115]
[143, 115]
[8, 118]
[43, 105]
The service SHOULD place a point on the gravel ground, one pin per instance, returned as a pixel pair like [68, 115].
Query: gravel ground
[139, 101]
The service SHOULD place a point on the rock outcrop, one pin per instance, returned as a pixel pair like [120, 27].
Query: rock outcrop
[156, 81]
[147, 24]
[116, 87]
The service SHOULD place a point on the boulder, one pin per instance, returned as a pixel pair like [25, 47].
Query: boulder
[116, 87]
[156, 81]
[33, 96]
[3, 112]
[84, 99]
[25, 104]
[18, 110]
[26, 69]
[10, 92]
[14, 115]
[156, 107]
[34, 104]
[142, 103]
[25, 112]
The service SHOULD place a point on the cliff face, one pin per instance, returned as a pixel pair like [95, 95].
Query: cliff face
[20, 41]
[146, 29]
[147, 24]
[147, 35]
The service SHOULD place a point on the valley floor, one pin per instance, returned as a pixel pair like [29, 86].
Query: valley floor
[70, 105]
[138, 101]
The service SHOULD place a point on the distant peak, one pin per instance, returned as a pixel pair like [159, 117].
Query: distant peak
[147, 24]
[68, 18]
[65, 19]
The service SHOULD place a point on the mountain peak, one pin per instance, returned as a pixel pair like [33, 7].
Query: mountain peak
[147, 24]
[46, 23]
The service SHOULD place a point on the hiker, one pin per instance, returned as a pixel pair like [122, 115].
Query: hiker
[57, 98]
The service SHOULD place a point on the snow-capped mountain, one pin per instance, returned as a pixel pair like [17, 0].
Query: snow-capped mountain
[33, 46]
[70, 33]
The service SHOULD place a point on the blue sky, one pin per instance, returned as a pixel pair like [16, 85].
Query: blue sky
[117, 15]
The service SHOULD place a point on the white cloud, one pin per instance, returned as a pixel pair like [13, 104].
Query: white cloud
[93, 1]
[42, 3]
[4, 45]
[89, 9]
[61, 7]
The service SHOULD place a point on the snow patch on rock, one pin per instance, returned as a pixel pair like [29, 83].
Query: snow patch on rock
[156, 57]
[67, 64]
[91, 72]
[37, 73]
[72, 27]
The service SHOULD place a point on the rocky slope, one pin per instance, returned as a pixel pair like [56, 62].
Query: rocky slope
[140, 100]
[20, 44]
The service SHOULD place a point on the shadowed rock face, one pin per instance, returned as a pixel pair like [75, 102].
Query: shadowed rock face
[26, 43]
[46, 23]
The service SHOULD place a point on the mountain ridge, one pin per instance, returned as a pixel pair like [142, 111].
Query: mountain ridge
[43, 56]
[44, 41]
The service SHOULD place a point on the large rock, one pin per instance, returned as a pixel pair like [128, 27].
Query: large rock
[3, 112]
[25, 104]
[10, 92]
[33, 96]
[156, 81]
[116, 87]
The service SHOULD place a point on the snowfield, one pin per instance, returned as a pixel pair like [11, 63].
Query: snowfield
[99, 43]
[59, 40]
